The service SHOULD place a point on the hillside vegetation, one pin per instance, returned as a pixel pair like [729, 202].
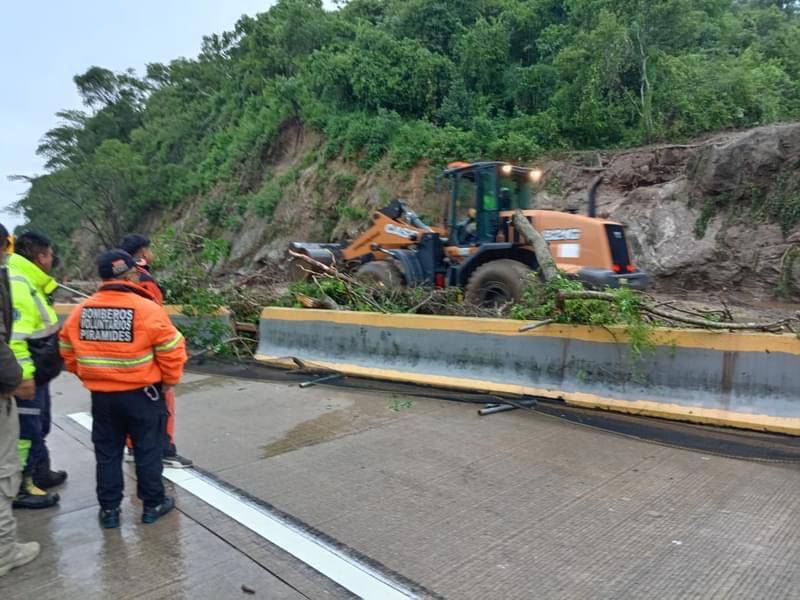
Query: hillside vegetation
[385, 84]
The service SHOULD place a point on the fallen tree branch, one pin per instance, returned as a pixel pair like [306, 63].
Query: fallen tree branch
[414, 309]
[244, 342]
[700, 322]
[349, 282]
[727, 311]
[325, 302]
[327, 269]
[679, 318]
[246, 328]
[533, 326]
[701, 313]
[266, 271]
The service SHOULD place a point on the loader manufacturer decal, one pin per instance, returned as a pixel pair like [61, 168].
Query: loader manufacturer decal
[560, 235]
[408, 234]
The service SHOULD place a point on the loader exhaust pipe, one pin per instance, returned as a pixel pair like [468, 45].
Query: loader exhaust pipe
[593, 196]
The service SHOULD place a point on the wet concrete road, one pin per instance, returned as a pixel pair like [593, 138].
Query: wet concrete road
[194, 552]
[516, 505]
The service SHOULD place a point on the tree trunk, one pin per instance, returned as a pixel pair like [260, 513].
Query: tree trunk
[646, 96]
[547, 265]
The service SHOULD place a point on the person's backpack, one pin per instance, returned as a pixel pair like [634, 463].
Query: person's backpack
[46, 358]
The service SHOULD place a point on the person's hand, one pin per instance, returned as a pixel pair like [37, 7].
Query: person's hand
[166, 389]
[25, 390]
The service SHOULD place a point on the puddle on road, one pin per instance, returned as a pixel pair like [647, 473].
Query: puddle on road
[362, 414]
[211, 381]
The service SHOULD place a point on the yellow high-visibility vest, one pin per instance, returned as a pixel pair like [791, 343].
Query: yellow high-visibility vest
[34, 317]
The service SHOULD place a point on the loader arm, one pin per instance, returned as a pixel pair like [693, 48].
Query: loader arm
[385, 232]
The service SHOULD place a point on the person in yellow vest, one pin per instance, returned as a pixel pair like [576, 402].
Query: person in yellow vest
[35, 345]
[13, 553]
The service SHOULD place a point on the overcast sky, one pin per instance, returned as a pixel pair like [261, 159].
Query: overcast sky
[44, 43]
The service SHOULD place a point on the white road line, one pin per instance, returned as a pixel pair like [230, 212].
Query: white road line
[82, 419]
[360, 579]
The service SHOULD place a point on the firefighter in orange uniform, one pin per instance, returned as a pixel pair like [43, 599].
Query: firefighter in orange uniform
[138, 246]
[125, 350]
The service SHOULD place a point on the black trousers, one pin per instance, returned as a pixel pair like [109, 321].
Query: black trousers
[34, 427]
[134, 413]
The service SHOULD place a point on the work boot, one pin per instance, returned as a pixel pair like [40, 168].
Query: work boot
[151, 514]
[176, 461]
[45, 478]
[109, 518]
[23, 554]
[30, 496]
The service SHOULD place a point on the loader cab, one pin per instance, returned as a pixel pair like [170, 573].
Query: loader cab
[488, 188]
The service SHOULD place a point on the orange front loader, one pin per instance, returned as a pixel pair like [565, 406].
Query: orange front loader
[480, 250]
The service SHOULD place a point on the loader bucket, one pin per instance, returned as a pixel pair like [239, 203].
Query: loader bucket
[300, 270]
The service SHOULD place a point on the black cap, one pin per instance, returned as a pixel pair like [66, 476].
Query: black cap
[133, 242]
[113, 263]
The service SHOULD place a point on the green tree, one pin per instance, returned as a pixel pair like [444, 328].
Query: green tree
[456, 107]
[483, 52]
[102, 196]
[434, 23]
[433, 80]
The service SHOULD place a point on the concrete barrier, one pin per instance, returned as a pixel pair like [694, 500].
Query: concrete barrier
[746, 380]
[201, 330]
[205, 329]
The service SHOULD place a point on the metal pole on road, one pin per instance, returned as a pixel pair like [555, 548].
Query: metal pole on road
[76, 292]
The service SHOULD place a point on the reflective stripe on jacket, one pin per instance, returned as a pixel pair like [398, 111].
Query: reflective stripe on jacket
[34, 317]
[120, 339]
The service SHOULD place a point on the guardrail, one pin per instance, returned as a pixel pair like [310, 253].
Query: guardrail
[746, 380]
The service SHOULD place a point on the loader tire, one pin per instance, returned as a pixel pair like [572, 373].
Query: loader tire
[380, 272]
[497, 283]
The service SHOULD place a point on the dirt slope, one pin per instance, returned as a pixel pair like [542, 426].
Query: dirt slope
[698, 215]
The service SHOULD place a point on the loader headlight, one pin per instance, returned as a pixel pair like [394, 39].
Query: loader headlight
[507, 169]
[535, 175]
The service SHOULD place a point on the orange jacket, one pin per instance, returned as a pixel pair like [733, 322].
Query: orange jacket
[120, 339]
[148, 282]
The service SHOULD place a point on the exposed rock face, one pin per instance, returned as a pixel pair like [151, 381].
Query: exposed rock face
[662, 193]
[748, 161]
